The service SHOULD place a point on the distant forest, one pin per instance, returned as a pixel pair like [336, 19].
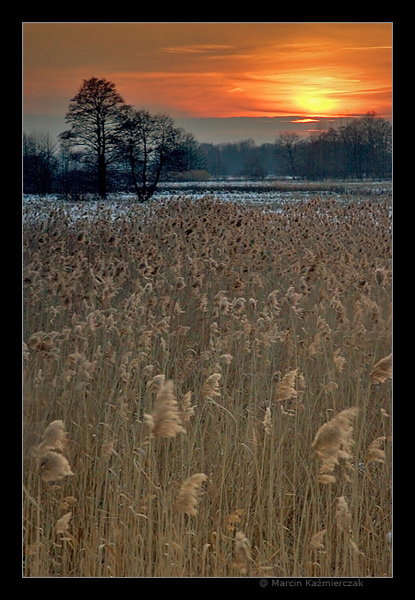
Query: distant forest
[357, 149]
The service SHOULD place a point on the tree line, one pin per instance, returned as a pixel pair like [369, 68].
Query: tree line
[360, 148]
[113, 147]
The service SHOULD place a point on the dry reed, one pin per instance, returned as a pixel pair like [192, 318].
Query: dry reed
[333, 442]
[267, 422]
[343, 516]
[317, 541]
[242, 552]
[52, 464]
[166, 418]
[271, 324]
[375, 451]
[190, 493]
[382, 370]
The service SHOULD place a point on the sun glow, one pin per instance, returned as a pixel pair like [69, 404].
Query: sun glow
[303, 70]
[316, 103]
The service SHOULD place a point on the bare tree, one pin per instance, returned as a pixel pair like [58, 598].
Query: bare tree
[39, 163]
[151, 144]
[93, 116]
[378, 139]
[287, 145]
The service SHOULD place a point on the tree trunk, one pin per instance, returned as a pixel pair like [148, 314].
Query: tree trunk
[102, 177]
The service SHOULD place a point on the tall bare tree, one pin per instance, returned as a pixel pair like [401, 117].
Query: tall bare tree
[151, 145]
[287, 145]
[92, 115]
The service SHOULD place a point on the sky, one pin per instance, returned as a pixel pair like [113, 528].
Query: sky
[219, 80]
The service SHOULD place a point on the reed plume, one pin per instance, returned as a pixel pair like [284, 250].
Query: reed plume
[339, 361]
[165, 421]
[234, 519]
[315, 347]
[375, 452]
[343, 516]
[54, 437]
[226, 359]
[53, 466]
[316, 541]
[62, 525]
[286, 389]
[51, 463]
[267, 422]
[156, 383]
[187, 410]
[344, 523]
[211, 386]
[381, 276]
[190, 493]
[333, 442]
[382, 370]
[243, 552]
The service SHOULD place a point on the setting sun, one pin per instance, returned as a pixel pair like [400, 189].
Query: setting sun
[214, 69]
[315, 104]
[210, 73]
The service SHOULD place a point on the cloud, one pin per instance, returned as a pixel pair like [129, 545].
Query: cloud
[367, 48]
[197, 49]
[212, 69]
[305, 121]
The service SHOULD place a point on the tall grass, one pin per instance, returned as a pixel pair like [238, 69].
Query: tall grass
[213, 384]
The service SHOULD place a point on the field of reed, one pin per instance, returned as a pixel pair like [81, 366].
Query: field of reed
[207, 390]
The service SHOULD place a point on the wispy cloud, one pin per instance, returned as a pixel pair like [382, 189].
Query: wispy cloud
[367, 48]
[309, 120]
[214, 69]
[197, 49]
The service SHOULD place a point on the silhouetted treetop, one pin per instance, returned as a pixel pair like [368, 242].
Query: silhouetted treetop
[93, 116]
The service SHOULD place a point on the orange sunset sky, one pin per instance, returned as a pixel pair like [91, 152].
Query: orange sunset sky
[198, 70]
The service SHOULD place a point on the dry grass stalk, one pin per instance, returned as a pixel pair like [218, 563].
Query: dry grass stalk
[108, 450]
[333, 442]
[382, 370]
[189, 494]
[165, 421]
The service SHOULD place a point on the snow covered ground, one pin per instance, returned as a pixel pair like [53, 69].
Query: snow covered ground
[272, 194]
